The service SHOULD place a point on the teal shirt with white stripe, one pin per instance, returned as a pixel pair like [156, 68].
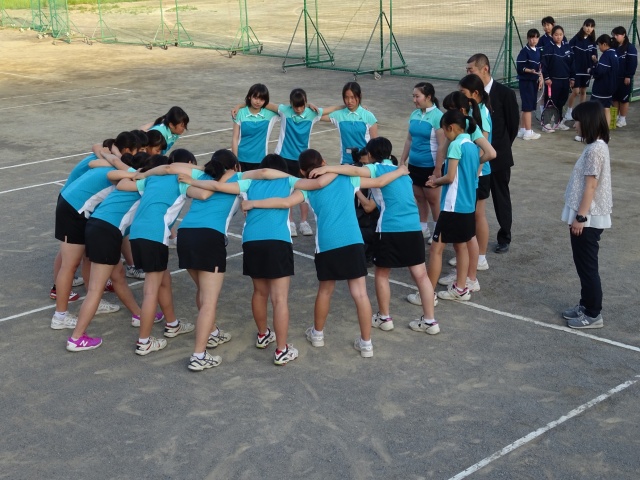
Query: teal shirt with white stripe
[353, 128]
[267, 223]
[86, 193]
[459, 196]
[487, 126]
[169, 137]
[118, 208]
[255, 129]
[424, 144]
[80, 169]
[295, 131]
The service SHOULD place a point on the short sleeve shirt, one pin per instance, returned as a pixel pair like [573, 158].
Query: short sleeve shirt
[255, 129]
[169, 137]
[295, 131]
[353, 128]
[424, 144]
[459, 196]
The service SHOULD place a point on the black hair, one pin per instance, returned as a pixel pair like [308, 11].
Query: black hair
[593, 122]
[257, 90]
[355, 89]
[428, 91]
[456, 117]
[221, 161]
[142, 137]
[136, 161]
[357, 153]
[182, 155]
[310, 159]
[625, 43]
[126, 140]
[155, 161]
[175, 116]
[393, 159]
[298, 97]
[548, 20]
[379, 148]
[604, 39]
[458, 100]
[555, 29]
[589, 22]
[275, 161]
[533, 33]
[156, 139]
[473, 83]
[480, 60]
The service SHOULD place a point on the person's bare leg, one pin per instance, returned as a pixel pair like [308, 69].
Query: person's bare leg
[210, 284]
[259, 304]
[71, 255]
[383, 290]
[419, 274]
[358, 290]
[434, 268]
[90, 304]
[323, 303]
[279, 293]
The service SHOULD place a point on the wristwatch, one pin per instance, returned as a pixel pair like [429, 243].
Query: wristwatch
[581, 219]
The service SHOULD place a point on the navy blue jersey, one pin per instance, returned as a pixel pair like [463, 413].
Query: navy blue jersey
[605, 75]
[627, 61]
[582, 49]
[529, 59]
[557, 62]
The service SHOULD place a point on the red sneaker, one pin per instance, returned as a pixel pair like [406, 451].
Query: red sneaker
[73, 296]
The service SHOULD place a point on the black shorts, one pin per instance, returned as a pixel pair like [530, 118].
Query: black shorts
[623, 92]
[202, 249]
[484, 187]
[103, 242]
[293, 167]
[528, 94]
[247, 167]
[150, 256]
[398, 249]
[420, 175]
[344, 263]
[582, 81]
[453, 227]
[267, 259]
[70, 224]
[605, 102]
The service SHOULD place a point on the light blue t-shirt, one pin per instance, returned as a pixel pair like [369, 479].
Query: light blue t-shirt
[487, 126]
[255, 129]
[161, 202]
[86, 193]
[295, 131]
[335, 212]
[169, 137]
[424, 144]
[353, 128]
[215, 212]
[80, 169]
[460, 195]
[118, 208]
[396, 202]
[267, 223]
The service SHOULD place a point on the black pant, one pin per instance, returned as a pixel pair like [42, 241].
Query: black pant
[502, 203]
[585, 255]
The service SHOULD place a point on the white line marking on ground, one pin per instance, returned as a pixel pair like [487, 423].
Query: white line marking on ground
[527, 438]
[63, 101]
[46, 160]
[32, 186]
[60, 92]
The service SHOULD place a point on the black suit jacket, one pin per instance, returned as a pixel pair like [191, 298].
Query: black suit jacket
[505, 119]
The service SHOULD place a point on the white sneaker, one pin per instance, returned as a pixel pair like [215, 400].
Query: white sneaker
[421, 325]
[473, 285]
[366, 351]
[65, 321]
[531, 136]
[132, 272]
[180, 329]
[415, 299]
[385, 324]
[219, 339]
[562, 126]
[453, 261]
[106, 307]
[521, 133]
[452, 293]
[292, 229]
[426, 233]
[154, 344]
[77, 281]
[548, 128]
[305, 229]
[577, 138]
[622, 122]
[483, 265]
[209, 361]
[316, 339]
[448, 279]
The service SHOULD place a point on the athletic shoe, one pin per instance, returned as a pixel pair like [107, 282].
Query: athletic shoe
[415, 299]
[83, 343]
[531, 136]
[181, 328]
[548, 128]
[108, 286]
[305, 229]
[426, 233]
[448, 279]
[562, 126]
[316, 339]
[132, 272]
[154, 344]
[366, 351]
[106, 307]
[263, 341]
[60, 322]
[73, 296]
[385, 324]
[578, 138]
[573, 312]
[622, 122]
[521, 133]
[421, 325]
[584, 322]
[482, 265]
[285, 356]
[430, 240]
[473, 285]
[209, 361]
[219, 339]
[453, 261]
[292, 229]
[135, 319]
[452, 293]
[77, 282]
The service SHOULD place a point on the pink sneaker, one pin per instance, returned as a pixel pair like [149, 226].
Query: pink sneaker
[135, 319]
[83, 343]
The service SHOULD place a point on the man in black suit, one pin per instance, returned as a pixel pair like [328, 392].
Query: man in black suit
[505, 120]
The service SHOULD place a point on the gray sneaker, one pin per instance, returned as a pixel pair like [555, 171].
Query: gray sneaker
[573, 312]
[583, 322]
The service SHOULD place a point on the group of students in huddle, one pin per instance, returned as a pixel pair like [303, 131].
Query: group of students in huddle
[550, 62]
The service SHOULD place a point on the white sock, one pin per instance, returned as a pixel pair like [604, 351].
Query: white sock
[316, 332]
[522, 130]
[293, 224]
[214, 333]
[61, 314]
[365, 343]
[528, 132]
[568, 112]
[200, 355]
[176, 322]
[620, 117]
[143, 340]
[383, 316]
[423, 225]
[482, 258]
[429, 320]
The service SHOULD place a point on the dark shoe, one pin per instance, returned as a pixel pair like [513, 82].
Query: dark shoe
[502, 248]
